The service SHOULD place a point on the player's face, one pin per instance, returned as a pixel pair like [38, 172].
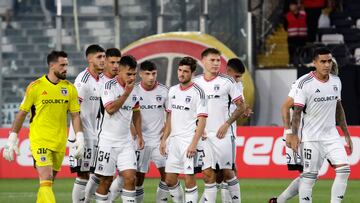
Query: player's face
[184, 74]
[127, 74]
[212, 63]
[232, 73]
[112, 65]
[60, 67]
[148, 78]
[98, 61]
[323, 64]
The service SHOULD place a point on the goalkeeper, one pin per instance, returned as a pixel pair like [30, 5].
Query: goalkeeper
[49, 99]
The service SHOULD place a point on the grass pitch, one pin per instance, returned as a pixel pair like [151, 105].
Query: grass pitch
[252, 190]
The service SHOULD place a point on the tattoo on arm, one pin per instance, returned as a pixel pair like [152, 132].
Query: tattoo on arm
[340, 117]
[296, 119]
[240, 108]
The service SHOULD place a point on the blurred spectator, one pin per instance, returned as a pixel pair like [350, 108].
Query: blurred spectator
[47, 13]
[295, 24]
[313, 11]
[6, 11]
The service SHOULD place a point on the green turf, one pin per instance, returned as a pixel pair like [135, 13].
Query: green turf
[252, 190]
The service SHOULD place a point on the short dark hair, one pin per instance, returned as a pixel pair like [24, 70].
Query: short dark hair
[93, 49]
[188, 61]
[237, 65]
[321, 51]
[53, 56]
[147, 66]
[113, 52]
[208, 51]
[128, 60]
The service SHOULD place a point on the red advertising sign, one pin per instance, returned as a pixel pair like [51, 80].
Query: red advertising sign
[260, 154]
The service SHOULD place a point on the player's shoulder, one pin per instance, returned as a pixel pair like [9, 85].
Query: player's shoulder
[162, 87]
[304, 80]
[335, 77]
[198, 78]
[226, 78]
[109, 84]
[83, 77]
[199, 90]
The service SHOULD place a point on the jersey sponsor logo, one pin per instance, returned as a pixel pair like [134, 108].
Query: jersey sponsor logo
[188, 99]
[210, 96]
[64, 91]
[151, 106]
[127, 108]
[54, 101]
[94, 98]
[324, 99]
[180, 107]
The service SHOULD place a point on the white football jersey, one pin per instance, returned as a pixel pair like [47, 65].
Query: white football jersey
[221, 92]
[152, 106]
[186, 105]
[115, 129]
[88, 88]
[319, 100]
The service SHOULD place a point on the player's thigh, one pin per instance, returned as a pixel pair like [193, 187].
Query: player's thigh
[313, 156]
[106, 161]
[58, 158]
[156, 157]
[335, 152]
[126, 158]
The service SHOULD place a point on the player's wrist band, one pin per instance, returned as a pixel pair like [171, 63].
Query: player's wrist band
[287, 131]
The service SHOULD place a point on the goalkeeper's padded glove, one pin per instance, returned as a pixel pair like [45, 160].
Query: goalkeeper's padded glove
[79, 145]
[11, 147]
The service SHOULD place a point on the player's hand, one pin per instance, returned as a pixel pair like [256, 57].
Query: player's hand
[11, 147]
[191, 151]
[79, 145]
[129, 86]
[247, 113]
[349, 143]
[141, 142]
[222, 130]
[292, 141]
[163, 147]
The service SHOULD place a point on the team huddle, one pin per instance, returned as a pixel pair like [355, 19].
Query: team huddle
[119, 126]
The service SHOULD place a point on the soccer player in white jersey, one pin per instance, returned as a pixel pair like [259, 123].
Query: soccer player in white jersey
[111, 69]
[152, 97]
[115, 148]
[185, 124]
[293, 159]
[320, 92]
[88, 87]
[221, 91]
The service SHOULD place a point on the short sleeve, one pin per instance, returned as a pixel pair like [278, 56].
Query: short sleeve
[201, 106]
[300, 97]
[166, 99]
[339, 91]
[292, 90]
[74, 105]
[168, 102]
[81, 89]
[29, 98]
[235, 92]
[108, 94]
[240, 86]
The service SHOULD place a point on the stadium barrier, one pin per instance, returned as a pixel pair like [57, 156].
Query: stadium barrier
[260, 154]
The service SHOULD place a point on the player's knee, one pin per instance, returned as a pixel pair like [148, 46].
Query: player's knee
[228, 174]
[209, 176]
[129, 179]
[170, 181]
[83, 175]
[308, 179]
[140, 179]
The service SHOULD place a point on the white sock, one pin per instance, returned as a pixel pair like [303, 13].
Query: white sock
[177, 193]
[116, 187]
[101, 198]
[307, 182]
[291, 191]
[210, 193]
[225, 193]
[78, 193]
[128, 196]
[191, 195]
[139, 194]
[339, 185]
[162, 193]
[234, 189]
[91, 187]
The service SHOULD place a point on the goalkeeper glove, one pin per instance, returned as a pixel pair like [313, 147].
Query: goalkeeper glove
[79, 145]
[11, 147]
